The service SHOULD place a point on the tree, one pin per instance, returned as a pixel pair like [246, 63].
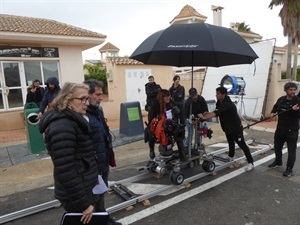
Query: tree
[290, 20]
[243, 27]
[96, 71]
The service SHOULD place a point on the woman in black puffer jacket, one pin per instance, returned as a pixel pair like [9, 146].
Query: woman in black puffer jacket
[68, 141]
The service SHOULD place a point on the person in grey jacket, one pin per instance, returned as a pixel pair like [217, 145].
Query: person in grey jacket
[69, 143]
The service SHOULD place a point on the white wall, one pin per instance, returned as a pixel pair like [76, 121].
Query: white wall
[255, 76]
[71, 67]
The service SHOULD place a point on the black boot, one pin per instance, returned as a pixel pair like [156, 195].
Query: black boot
[182, 156]
[152, 153]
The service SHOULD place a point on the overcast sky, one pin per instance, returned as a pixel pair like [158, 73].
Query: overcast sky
[126, 23]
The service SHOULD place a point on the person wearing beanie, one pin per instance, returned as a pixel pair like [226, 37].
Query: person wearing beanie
[194, 105]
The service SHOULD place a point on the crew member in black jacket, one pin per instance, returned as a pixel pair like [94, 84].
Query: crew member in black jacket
[102, 139]
[68, 141]
[287, 129]
[161, 106]
[177, 93]
[152, 90]
[231, 124]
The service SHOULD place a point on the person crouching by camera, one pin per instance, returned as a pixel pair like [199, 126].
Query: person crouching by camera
[163, 107]
[194, 105]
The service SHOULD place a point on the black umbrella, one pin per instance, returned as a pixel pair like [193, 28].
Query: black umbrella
[195, 44]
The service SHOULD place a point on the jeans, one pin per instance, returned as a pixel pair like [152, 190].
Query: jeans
[190, 130]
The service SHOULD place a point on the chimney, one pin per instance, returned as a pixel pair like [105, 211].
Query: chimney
[217, 15]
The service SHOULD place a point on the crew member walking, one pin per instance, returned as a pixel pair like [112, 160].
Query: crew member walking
[287, 129]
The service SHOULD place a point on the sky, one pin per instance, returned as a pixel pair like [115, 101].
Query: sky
[127, 23]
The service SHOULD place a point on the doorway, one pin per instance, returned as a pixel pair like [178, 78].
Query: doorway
[10, 86]
[135, 85]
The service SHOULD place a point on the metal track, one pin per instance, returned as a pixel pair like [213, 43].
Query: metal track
[133, 201]
[141, 198]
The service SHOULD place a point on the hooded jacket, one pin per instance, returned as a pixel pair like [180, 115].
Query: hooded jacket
[50, 94]
[229, 118]
[68, 141]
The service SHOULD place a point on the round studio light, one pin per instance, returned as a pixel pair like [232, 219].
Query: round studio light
[234, 85]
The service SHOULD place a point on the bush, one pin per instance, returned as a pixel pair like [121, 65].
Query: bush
[96, 71]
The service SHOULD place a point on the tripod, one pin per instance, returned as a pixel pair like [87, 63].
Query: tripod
[241, 109]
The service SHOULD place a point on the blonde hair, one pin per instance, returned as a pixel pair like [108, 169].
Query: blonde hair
[66, 94]
[30, 87]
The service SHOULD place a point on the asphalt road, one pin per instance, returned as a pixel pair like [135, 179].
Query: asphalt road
[231, 197]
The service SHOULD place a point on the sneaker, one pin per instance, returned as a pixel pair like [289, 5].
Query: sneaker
[274, 164]
[249, 167]
[113, 222]
[229, 159]
[288, 172]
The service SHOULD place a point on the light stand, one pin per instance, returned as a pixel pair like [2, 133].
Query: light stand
[241, 108]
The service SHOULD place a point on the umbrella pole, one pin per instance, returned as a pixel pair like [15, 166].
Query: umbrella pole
[192, 78]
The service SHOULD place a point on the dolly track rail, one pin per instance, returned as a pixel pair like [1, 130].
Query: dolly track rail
[55, 203]
[177, 187]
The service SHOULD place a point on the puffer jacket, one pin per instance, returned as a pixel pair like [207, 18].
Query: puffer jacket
[68, 141]
[50, 94]
[101, 137]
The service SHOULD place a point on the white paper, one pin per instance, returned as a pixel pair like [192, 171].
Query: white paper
[169, 114]
[101, 187]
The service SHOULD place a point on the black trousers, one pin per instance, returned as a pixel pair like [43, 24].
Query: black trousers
[179, 142]
[237, 136]
[100, 204]
[290, 137]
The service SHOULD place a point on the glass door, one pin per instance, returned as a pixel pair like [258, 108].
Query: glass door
[11, 89]
[2, 90]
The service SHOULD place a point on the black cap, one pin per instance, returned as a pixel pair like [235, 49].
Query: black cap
[193, 92]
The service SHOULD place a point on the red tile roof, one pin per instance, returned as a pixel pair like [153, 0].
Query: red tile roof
[24, 24]
[123, 61]
[109, 46]
[189, 11]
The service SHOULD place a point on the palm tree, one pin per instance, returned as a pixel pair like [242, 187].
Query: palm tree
[243, 27]
[290, 20]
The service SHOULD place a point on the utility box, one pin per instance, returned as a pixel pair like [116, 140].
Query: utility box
[35, 139]
[131, 120]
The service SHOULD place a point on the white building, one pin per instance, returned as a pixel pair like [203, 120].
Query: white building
[34, 48]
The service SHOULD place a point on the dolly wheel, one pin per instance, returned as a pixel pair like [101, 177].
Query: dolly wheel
[208, 166]
[151, 166]
[176, 178]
